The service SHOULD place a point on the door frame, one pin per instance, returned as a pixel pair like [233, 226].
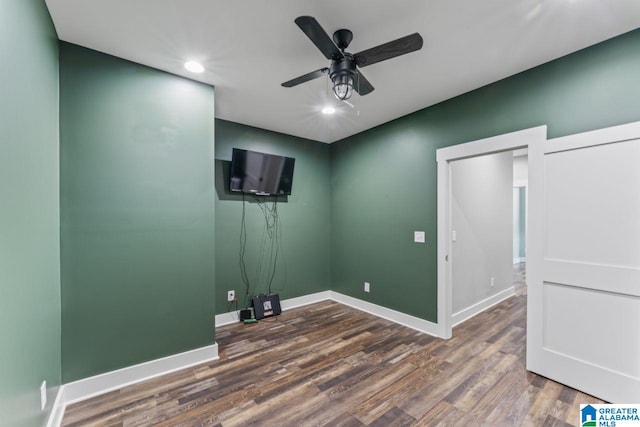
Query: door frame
[510, 141]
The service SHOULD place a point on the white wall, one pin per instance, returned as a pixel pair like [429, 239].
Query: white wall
[520, 183]
[516, 224]
[482, 217]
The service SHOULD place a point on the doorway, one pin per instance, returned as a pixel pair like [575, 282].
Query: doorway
[520, 192]
[445, 158]
[481, 233]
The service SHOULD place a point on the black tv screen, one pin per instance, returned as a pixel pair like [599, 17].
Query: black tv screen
[261, 173]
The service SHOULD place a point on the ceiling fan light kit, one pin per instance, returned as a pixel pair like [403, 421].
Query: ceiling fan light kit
[342, 74]
[343, 71]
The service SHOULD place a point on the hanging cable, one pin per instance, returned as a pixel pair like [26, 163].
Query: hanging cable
[274, 241]
[269, 250]
[243, 248]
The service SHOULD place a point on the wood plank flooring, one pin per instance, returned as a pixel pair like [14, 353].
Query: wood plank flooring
[329, 364]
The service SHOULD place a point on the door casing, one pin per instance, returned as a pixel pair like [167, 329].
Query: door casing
[510, 141]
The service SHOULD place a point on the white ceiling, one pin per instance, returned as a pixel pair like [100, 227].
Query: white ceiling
[250, 47]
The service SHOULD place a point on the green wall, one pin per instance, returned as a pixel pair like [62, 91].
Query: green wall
[137, 213]
[29, 213]
[383, 183]
[302, 266]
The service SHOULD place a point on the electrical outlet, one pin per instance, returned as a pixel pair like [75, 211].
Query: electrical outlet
[492, 282]
[367, 287]
[43, 395]
[231, 295]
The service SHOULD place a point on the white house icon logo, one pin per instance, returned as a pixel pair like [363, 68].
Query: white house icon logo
[588, 416]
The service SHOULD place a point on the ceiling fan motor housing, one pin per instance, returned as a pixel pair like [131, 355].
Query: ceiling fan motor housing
[345, 66]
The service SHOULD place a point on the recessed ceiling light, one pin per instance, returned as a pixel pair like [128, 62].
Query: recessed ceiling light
[194, 67]
[328, 110]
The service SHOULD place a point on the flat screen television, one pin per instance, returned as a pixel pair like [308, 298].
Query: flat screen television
[261, 173]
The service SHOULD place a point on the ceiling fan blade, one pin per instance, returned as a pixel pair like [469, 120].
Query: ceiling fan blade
[389, 50]
[319, 37]
[362, 85]
[306, 77]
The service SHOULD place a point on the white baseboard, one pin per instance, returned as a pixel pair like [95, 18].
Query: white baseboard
[227, 318]
[287, 304]
[57, 412]
[93, 386]
[290, 303]
[377, 310]
[99, 384]
[386, 313]
[481, 306]
[519, 260]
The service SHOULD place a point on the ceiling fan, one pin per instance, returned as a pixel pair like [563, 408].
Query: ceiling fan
[343, 71]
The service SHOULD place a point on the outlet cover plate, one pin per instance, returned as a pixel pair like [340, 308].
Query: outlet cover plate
[231, 295]
[419, 236]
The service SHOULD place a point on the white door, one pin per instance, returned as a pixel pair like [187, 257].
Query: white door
[583, 262]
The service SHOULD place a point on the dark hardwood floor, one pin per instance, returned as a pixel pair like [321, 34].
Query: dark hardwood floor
[329, 364]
